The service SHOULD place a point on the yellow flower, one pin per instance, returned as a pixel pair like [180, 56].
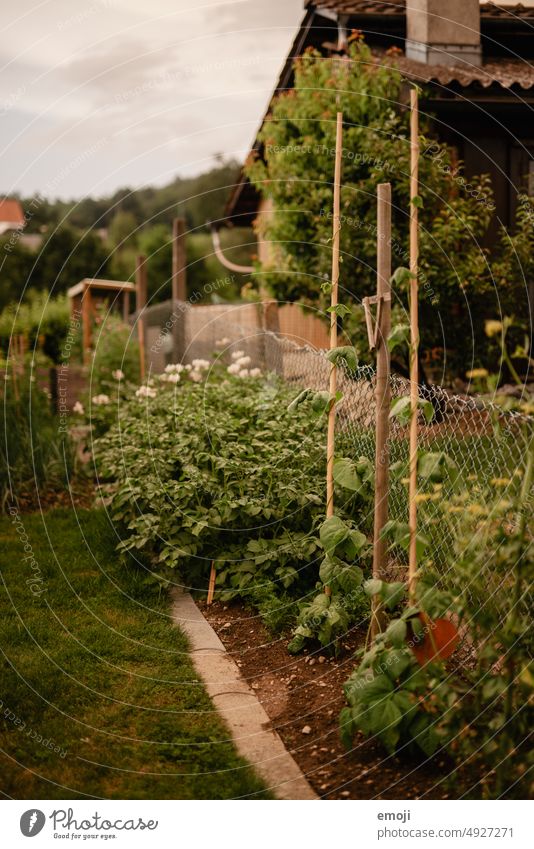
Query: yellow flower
[500, 481]
[477, 372]
[492, 327]
[477, 510]
[455, 509]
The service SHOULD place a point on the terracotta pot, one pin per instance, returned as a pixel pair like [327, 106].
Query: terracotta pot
[437, 642]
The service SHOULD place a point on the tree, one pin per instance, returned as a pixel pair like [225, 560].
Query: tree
[156, 244]
[296, 173]
[122, 231]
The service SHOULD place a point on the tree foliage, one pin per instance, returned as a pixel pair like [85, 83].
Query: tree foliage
[296, 173]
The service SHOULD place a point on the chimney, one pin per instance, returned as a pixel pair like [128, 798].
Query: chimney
[440, 33]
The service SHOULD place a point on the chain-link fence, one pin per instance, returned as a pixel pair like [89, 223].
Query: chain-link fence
[472, 437]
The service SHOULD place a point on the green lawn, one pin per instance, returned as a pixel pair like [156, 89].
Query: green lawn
[98, 694]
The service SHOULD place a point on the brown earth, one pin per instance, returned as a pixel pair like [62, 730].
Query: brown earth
[303, 697]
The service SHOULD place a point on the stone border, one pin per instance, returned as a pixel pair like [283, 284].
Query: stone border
[243, 713]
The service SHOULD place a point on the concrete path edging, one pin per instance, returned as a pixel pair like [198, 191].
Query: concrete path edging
[243, 713]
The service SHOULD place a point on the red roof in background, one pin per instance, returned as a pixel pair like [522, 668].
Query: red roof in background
[11, 211]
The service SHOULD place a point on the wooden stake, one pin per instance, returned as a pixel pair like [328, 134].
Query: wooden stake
[414, 336]
[211, 586]
[179, 262]
[140, 281]
[330, 447]
[125, 306]
[382, 393]
[87, 310]
[12, 361]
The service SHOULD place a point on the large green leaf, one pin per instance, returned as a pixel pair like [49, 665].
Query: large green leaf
[385, 717]
[400, 335]
[346, 355]
[378, 688]
[434, 466]
[396, 632]
[332, 532]
[401, 409]
[345, 474]
[373, 586]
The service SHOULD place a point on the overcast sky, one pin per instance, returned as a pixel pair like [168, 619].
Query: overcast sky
[97, 94]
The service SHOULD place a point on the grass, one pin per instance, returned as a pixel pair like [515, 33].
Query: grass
[99, 697]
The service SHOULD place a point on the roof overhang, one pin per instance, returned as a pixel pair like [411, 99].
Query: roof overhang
[103, 285]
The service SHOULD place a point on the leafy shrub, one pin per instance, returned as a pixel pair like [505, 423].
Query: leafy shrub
[477, 705]
[115, 350]
[221, 471]
[43, 320]
[36, 455]
[211, 473]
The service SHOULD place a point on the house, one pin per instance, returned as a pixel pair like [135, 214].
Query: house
[475, 62]
[11, 215]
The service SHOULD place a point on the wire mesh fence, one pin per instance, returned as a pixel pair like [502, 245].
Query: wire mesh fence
[484, 444]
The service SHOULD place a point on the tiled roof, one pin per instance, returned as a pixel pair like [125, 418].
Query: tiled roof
[11, 211]
[398, 7]
[504, 72]
[361, 7]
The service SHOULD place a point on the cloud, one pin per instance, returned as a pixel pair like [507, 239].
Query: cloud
[165, 84]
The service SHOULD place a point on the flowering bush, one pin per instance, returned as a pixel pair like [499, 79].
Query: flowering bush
[219, 474]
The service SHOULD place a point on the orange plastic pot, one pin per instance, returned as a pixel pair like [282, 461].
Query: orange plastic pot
[437, 641]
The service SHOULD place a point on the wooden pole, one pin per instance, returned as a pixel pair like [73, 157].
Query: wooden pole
[382, 393]
[12, 361]
[414, 336]
[86, 323]
[330, 447]
[140, 292]
[179, 262]
[125, 305]
[211, 586]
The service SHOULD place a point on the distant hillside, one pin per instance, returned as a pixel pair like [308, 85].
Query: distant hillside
[101, 237]
[198, 199]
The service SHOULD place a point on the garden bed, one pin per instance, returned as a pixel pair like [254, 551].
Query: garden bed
[306, 692]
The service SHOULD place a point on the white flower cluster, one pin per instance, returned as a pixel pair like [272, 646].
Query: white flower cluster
[173, 371]
[239, 366]
[101, 400]
[117, 374]
[78, 408]
[146, 392]
[221, 343]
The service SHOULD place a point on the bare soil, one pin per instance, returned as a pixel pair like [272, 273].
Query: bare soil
[303, 697]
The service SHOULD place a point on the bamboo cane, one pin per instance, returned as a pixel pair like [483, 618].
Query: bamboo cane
[330, 439]
[382, 394]
[140, 293]
[414, 336]
[211, 585]
[333, 321]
